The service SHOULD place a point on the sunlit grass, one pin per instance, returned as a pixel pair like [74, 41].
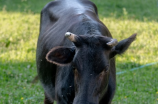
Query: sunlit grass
[145, 46]
[18, 36]
[18, 39]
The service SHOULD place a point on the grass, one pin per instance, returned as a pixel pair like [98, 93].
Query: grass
[19, 29]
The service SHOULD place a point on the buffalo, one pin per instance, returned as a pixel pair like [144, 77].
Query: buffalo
[75, 54]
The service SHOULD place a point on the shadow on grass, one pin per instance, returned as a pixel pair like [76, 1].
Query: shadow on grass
[124, 66]
[139, 86]
[16, 70]
[125, 9]
[23, 6]
[16, 80]
[16, 77]
[129, 9]
[130, 67]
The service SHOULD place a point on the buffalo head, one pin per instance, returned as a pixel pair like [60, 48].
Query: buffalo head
[90, 58]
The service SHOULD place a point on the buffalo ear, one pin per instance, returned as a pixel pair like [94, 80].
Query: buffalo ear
[60, 55]
[122, 46]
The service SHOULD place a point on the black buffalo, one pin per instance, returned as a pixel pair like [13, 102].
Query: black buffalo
[75, 54]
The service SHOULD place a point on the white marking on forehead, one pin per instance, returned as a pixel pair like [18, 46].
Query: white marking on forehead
[76, 5]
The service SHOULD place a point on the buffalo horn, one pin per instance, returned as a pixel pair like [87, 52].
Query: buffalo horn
[70, 36]
[113, 42]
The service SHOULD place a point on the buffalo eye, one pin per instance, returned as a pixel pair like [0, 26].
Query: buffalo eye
[73, 67]
[106, 69]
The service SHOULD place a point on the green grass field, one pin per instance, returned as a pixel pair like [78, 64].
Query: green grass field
[19, 29]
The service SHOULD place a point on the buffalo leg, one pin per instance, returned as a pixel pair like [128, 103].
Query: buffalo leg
[47, 101]
[64, 89]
